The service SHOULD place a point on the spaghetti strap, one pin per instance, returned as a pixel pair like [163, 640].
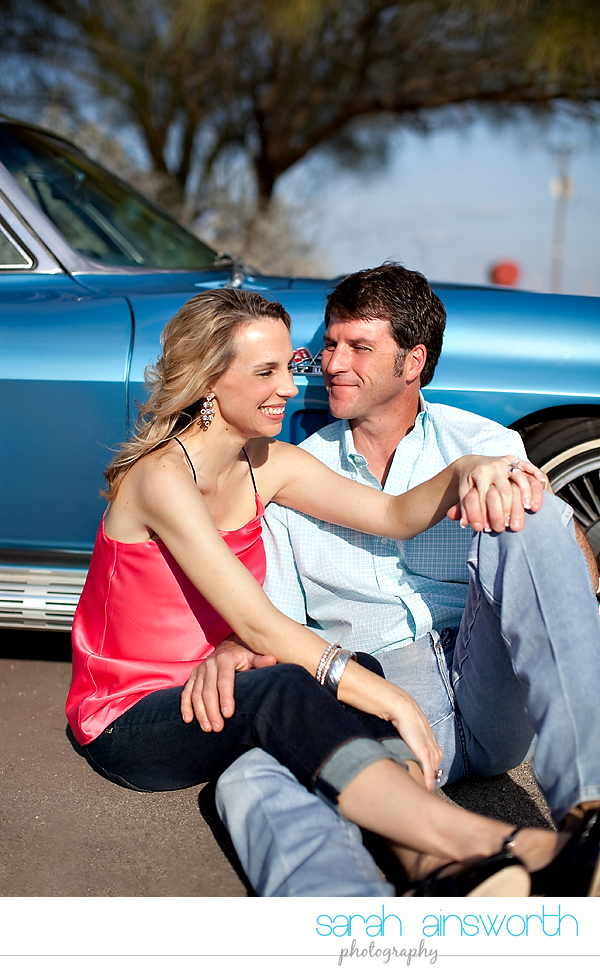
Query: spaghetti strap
[250, 468]
[191, 464]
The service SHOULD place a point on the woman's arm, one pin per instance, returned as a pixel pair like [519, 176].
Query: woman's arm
[172, 507]
[490, 494]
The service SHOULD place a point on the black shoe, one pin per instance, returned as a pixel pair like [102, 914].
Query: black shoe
[575, 872]
[500, 876]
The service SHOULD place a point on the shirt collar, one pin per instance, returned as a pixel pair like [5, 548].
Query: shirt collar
[356, 459]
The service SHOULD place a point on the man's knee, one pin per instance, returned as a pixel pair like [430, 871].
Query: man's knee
[250, 778]
[542, 535]
[554, 516]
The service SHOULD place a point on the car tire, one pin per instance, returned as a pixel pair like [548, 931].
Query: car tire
[568, 451]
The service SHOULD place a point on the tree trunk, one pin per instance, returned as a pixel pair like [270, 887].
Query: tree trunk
[266, 178]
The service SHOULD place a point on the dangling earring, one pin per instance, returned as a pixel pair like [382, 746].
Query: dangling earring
[207, 412]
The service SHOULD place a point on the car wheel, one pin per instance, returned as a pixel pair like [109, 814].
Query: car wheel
[568, 450]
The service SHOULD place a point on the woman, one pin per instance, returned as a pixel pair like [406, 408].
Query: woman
[178, 565]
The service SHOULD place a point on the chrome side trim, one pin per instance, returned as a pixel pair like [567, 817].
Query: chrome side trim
[39, 597]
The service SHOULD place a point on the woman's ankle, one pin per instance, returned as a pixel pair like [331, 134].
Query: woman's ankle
[416, 865]
[537, 848]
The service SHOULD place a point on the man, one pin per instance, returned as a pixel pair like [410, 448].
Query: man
[526, 659]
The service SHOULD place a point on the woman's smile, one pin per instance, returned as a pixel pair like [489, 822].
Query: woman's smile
[275, 412]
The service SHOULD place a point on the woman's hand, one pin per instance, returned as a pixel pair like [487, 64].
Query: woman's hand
[208, 692]
[408, 718]
[495, 492]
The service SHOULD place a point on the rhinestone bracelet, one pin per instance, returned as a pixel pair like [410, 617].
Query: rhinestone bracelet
[325, 662]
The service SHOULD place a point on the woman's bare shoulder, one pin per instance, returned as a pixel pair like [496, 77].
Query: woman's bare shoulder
[270, 454]
[158, 492]
[275, 465]
[159, 470]
[262, 449]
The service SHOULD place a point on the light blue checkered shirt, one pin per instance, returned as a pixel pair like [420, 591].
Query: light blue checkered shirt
[374, 593]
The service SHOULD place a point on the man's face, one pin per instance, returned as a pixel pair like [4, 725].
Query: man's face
[362, 368]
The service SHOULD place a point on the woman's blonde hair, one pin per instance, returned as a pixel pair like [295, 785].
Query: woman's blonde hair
[198, 345]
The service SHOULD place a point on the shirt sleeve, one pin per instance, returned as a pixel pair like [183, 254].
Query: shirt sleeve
[495, 440]
[518, 449]
[282, 583]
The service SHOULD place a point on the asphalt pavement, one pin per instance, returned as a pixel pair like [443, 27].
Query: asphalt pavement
[66, 831]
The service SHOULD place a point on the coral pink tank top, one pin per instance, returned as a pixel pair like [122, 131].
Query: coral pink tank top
[141, 625]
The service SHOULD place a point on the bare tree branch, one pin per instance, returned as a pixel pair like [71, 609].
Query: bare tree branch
[278, 79]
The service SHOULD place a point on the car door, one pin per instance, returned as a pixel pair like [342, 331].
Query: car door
[64, 355]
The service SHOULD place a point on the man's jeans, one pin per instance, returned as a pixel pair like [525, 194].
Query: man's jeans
[526, 662]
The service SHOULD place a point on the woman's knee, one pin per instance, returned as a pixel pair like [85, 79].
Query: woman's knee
[254, 688]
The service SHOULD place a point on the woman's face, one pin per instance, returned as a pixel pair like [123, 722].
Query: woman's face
[252, 393]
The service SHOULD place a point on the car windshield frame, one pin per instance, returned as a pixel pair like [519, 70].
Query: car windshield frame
[102, 218]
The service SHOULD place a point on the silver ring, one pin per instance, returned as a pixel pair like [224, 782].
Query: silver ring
[514, 465]
[438, 775]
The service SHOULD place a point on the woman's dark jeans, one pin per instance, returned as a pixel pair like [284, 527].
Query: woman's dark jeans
[281, 709]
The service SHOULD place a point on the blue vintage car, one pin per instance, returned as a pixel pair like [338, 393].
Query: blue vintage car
[90, 271]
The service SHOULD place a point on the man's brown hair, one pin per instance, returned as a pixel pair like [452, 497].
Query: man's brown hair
[402, 297]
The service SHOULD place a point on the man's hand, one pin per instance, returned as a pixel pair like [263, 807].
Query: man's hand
[208, 692]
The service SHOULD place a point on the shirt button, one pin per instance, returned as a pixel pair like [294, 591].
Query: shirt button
[385, 540]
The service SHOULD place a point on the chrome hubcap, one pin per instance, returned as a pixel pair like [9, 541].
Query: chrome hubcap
[577, 481]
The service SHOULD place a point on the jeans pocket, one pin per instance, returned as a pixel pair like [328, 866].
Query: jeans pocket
[443, 649]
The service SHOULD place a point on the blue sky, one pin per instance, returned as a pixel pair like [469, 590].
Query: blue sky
[453, 203]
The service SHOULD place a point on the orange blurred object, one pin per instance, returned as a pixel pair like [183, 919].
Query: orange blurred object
[505, 273]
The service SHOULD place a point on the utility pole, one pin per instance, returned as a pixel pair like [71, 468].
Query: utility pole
[561, 188]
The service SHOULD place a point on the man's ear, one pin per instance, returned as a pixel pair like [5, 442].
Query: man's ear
[414, 362]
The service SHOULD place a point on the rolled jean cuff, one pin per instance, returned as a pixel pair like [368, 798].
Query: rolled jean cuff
[351, 759]
[400, 751]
